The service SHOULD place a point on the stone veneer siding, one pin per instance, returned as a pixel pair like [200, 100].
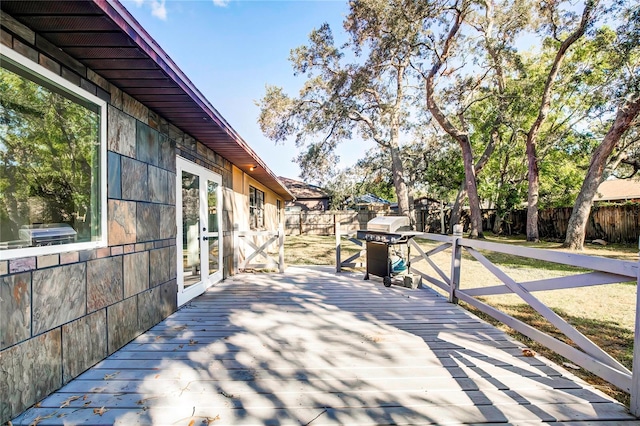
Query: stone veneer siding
[62, 313]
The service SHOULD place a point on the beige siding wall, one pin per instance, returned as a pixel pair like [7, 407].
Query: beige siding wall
[241, 183]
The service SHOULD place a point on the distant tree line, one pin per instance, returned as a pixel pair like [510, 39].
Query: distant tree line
[496, 103]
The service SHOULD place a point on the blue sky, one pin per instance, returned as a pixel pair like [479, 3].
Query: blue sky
[231, 49]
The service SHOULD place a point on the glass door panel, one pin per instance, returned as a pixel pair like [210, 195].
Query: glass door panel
[213, 219]
[191, 228]
[199, 263]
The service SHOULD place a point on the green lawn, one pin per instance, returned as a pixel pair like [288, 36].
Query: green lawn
[606, 313]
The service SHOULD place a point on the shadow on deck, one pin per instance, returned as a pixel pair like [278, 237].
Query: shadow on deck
[310, 347]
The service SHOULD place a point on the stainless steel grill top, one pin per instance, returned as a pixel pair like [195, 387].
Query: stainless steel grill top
[47, 234]
[389, 224]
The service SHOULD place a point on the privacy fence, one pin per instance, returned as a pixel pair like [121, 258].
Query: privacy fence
[323, 223]
[614, 224]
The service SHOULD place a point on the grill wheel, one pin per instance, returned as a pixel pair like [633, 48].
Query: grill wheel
[386, 281]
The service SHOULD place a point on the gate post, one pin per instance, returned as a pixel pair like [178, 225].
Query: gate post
[281, 247]
[338, 237]
[456, 256]
[236, 250]
[634, 406]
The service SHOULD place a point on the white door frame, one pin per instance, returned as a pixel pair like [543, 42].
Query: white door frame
[207, 278]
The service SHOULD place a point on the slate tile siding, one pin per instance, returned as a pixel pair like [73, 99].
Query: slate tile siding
[62, 313]
[22, 265]
[121, 222]
[30, 371]
[104, 282]
[15, 301]
[84, 342]
[122, 132]
[134, 180]
[136, 273]
[123, 324]
[59, 296]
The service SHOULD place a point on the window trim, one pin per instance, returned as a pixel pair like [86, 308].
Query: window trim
[262, 208]
[279, 209]
[32, 67]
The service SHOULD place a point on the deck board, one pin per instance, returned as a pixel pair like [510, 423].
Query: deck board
[312, 347]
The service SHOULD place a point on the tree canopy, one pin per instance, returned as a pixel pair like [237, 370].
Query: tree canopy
[501, 103]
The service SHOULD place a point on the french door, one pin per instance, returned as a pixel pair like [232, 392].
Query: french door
[199, 248]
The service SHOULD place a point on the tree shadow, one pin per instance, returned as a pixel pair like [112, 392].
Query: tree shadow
[314, 347]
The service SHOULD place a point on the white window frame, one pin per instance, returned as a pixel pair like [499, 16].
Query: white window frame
[64, 85]
[254, 209]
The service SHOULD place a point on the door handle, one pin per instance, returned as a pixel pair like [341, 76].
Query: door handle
[205, 238]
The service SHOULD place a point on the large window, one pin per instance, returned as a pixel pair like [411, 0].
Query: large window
[51, 162]
[279, 208]
[256, 208]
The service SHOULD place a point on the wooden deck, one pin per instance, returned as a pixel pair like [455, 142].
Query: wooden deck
[310, 347]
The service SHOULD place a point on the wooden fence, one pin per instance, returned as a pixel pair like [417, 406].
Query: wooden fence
[614, 224]
[323, 223]
[603, 271]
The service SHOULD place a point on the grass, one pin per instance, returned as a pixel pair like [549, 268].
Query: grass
[605, 314]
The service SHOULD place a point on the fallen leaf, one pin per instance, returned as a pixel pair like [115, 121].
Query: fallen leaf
[37, 404]
[84, 398]
[69, 400]
[528, 352]
[192, 342]
[111, 376]
[210, 420]
[157, 376]
[181, 346]
[192, 422]
[86, 404]
[572, 366]
[100, 411]
[40, 418]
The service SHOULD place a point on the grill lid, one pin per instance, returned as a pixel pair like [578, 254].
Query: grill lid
[389, 224]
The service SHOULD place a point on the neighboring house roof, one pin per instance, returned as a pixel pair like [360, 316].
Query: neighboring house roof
[304, 191]
[106, 38]
[370, 199]
[618, 189]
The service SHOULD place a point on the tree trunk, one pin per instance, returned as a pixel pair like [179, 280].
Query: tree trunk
[576, 227]
[397, 170]
[497, 224]
[456, 210]
[545, 105]
[472, 188]
[533, 193]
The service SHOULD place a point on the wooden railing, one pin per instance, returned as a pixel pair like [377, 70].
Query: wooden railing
[603, 271]
[351, 261]
[252, 251]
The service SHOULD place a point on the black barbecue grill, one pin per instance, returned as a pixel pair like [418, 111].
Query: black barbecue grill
[384, 236]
